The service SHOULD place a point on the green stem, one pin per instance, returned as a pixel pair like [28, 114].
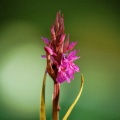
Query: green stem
[56, 108]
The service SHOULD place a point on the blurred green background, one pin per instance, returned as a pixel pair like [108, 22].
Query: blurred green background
[95, 24]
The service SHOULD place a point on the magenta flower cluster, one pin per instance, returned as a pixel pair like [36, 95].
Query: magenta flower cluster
[60, 58]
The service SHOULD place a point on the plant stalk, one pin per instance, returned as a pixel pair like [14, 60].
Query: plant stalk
[56, 108]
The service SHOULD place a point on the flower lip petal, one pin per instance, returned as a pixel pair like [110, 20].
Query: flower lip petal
[61, 77]
[72, 55]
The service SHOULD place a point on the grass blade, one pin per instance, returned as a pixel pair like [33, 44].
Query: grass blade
[77, 98]
[42, 107]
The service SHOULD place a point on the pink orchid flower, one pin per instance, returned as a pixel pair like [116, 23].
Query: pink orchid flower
[60, 58]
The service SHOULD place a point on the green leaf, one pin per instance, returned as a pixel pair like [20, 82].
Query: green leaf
[77, 98]
[42, 107]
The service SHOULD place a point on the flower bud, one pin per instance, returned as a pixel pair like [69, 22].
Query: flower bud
[49, 51]
[53, 33]
[62, 38]
[46, 41]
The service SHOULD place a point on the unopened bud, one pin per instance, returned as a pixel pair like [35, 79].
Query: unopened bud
[62, 38]
[53, 33]
[49, 51]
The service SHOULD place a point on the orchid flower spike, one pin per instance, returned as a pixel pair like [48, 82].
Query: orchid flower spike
[59, 54]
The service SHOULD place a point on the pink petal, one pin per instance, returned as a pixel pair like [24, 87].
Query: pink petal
[71, 45]
[49, 51]
[72, 56]
[62, 77]
[77, 68]
[43, 56]
[68, 80]
[46, 41]
[74, 67]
